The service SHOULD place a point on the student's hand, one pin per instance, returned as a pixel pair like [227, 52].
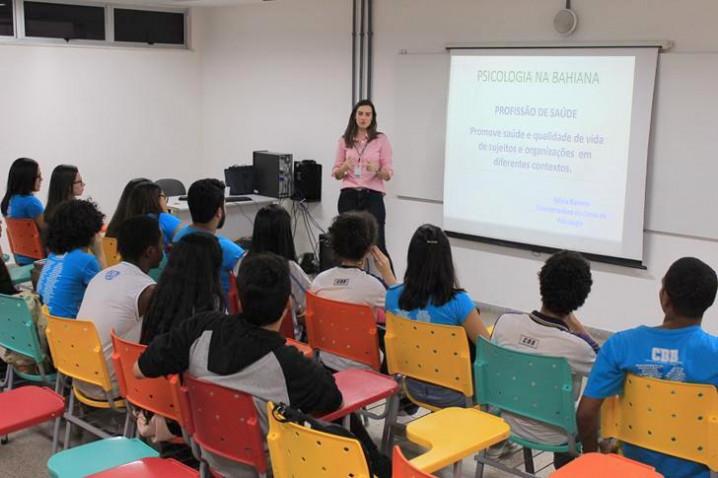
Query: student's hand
[383, 265]
[608, 445]
[383, 174]
[373, 167]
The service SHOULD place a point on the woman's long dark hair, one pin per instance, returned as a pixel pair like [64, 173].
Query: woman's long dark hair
[20, 180]
[189, 285]
[62, 182]
[145, 199]
[121, 211]
[430, 275]
[273, 232]
[6, 286]
[351, 131]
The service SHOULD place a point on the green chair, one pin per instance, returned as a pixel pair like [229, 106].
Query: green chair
[98, 456]
[18, 333]
[21, 274]
[529, 385]
[157, 271]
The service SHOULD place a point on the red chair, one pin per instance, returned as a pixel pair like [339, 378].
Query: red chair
[286, 328]
[27, 406]
[24, 238]
[156, 395]
[302, 347]
[233, 306]
[361, 388]
[224, 422]
[402, 468]
[149, 468]
[345, 329]
[597, 464]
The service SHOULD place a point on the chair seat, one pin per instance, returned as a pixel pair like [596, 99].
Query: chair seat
[439, 432]
[361, 388]
[149, 468]
[98, 456]
[20, 274]
[28, 406]
[598, 464]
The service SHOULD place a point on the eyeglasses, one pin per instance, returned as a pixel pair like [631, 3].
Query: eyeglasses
[79, 182]
[163, 195]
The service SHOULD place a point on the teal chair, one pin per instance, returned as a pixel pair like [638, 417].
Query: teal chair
[21, 274]
[157, 271]
[98, 456]
[530, 385]
[18, 333]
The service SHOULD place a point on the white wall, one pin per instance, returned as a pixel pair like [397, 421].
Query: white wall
[277, 76]
[116, 113]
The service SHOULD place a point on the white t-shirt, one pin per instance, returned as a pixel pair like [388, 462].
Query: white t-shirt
[348, 284]
[111, 301]
[541, 335]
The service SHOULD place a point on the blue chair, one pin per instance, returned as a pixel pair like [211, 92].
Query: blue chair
[18, 333]
[532, 386]
[98, 456]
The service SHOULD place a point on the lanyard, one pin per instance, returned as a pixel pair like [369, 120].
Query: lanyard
[360, 154]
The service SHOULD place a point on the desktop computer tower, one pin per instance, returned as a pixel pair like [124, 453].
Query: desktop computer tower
[272, 174]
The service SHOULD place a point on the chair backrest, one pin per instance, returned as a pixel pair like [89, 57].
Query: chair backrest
[18, 332]
[675, 418]
[438, 354]
[534, 386]
[157, 395]
[109, 247]
[300, 451]
[286, 328]
[233, 306]
[402, 468]
[345, 329]
[77, 351]
[171, 187]
[24, 238]
[223, 421]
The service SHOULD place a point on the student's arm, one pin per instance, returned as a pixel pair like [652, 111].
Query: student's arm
[587, 418]
[310, 386]
[169, 353]
[384, 266]
[40, 221]
[577, 328]
[474, 326]
[342, 165]
[143, 301]
[386, 170]
[98, 251]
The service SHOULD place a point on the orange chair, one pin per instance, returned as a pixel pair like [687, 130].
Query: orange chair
[24, 238]
[302, 347]
[286, 329]
[402, 468]
[344, 329]
[233, 306]
[597, 464]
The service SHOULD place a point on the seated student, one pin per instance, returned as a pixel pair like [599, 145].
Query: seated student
[120, 214]
[353, 237]
[430, 294]
[205, 199]
[19, 202]
[65, 183]
[564, 282]
[189, 285]
[72, 232]
[273, 233]
[689, 289]
[118, 297]
[245, 352]
[148, 199]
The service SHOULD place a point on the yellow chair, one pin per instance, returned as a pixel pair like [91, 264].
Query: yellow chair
[437, 354]
[298, 451]
[109, 247]
[439, 432]
[77, 355]
[674, 418]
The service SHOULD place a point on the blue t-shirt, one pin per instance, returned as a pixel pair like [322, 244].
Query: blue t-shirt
[64, 279]
[453, 312]
[231, 253]
[168, 226]
[24, 207]
[688, 354]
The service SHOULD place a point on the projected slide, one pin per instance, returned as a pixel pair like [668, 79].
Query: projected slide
[538, 149]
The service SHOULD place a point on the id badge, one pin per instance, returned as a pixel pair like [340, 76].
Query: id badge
[357, 170]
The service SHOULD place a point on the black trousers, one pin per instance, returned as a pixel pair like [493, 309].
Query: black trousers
[355, 199]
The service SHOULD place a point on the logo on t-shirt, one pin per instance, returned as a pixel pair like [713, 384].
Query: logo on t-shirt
[109, 275]
[341, 282]
[664, 355]
[529, 341]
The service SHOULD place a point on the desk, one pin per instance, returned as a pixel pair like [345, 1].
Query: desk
[240, 215]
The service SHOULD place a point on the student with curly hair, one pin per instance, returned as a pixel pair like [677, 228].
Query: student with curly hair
[565, 282]
[75, 256]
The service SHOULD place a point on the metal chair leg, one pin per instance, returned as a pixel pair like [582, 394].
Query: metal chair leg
[389, 421]
[480, 464]
[529, 461]
[68, 423]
